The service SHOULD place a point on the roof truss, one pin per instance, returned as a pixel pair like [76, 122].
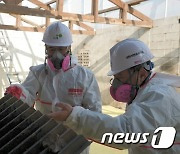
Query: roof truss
[21, 14]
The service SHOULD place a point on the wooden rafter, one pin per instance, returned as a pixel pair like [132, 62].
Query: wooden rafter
[131, 10]
[59, 6]
[135, 2]
[40, 4]
[25, 20]
[21, 10]
[22, 28]
[51, 2]
[95, 9]
[108, 10]
[45, 10]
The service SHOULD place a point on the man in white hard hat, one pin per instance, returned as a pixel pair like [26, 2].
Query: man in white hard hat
[61, 79]
[152, 105]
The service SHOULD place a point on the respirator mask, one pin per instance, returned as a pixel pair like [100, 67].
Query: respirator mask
[126, 92]
[57, 60]
[122, 92]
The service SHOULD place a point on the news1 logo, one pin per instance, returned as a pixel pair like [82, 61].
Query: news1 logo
[163, 138]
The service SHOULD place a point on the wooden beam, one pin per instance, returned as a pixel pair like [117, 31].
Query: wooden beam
[146, 24]
[21, 10]
[85, 26]
[120, 13]
[40, 4]
[38, 29]
[131, 10]
[108, 10]
[88, 30]
[26, 21]
[51, 2]
[119, 3]
[117, 8]
[77, 17]
[135, 2]
[83, 32]
[47, 3]
[138, 14]
[18, 20]
[107, 20]
[124, 13]
[95, 9]
[59, 6]
[22, 28]
[47, 22]
[12, 2]
[71, 25]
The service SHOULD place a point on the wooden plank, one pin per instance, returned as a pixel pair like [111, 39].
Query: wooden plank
[106, 20]
[131, 10]
[48, 3]
[85, 26]
[21, 10]
[138, 14]
[12, 2]
[26, 20]
[135, 2]
[71, 25]
[77, 17]
[51, 2]
[22, 28]
[35, 29]
[95, 9]
[146, 24]
[120, 13]
[47, 22]
[59, 6]
[40, 4]
[117, 8]
[124, 13]
[108, 10]
[83, 32]
[119, 3]
[18, 20]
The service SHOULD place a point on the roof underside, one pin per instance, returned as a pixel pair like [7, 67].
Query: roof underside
[53, 9]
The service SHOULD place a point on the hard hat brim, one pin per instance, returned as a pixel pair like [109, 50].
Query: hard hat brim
[110, 73]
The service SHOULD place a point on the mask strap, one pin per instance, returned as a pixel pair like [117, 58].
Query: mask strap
[135, 88]
[70, 54]
[146, 79]
[45, 64]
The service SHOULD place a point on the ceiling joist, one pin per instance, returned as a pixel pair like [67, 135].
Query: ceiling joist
[46, 11]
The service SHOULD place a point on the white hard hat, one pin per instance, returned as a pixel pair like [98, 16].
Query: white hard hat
[128, 53]
[57, 34]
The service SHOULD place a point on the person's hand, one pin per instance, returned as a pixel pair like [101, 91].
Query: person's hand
[14, 91]
[63, 114]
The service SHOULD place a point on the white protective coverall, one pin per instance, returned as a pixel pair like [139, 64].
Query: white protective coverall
[77, 86]
[157, 104]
